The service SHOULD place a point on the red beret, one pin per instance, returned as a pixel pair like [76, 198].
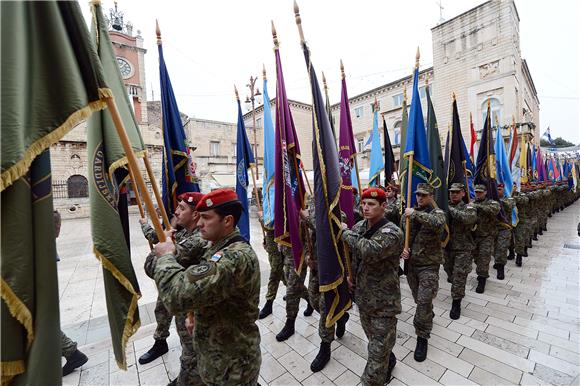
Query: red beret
[500, 185]
[374, 193]
[191, 198]
[216, 199]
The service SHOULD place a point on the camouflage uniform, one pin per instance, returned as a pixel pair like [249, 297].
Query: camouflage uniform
[458, 252]
[68, 346]
[504, 233]
[375, 253]
[520, 231]
[223, 291]
[484, 234]
[295, 289]
[393, 210]
[276, 262]
[425, 258]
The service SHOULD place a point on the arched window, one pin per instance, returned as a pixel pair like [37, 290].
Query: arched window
[78, 186]
[397, 136]
[496, 112]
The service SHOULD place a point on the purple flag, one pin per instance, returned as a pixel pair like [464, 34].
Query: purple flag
[289, 186]
[347, 152]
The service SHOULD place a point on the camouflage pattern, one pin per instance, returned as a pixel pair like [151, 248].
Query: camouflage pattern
[68, 346]
[424, 283]
[458, 253]
[151, 235]
[521, 229]
[375, 264]
[276, 264]
[484, 234]
[188, 374]
[504, 233]
[393, 210]
[223, 291]
[295, 288]
[163, 318]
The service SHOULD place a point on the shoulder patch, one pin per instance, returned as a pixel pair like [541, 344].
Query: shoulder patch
[198, 272]
[386, 230]
[470, 206]
[216, 257]
[439, 211]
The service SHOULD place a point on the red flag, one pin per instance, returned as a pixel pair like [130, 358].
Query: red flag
[513, 144]
[472, 149]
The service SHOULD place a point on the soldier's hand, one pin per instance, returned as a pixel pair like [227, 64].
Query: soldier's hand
[170, 234]
[406, 253]
[142, 221]
[304, 213]
[344, 225]
[189, 323]
[260, 213]
[350, 283]
[409, 212]
[165, 248]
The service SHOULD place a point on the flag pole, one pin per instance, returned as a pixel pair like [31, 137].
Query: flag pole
[138, 199]
[156, 193]
[356, 153]
[132, 160]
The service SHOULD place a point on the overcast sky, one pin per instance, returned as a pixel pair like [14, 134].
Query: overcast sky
[210, 45]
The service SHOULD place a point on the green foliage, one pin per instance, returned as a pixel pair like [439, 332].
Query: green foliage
[558, 142]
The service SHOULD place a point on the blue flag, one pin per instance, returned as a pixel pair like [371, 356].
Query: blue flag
[504, 174]
[269, 162]
[416, 144]
[177, 178]
[244, 160]
[377, 160]
[534, 165]
[470, 171]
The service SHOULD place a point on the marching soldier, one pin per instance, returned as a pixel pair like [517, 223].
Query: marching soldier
[484, 234]
[376, 244]
[425, 256]
[522, 203]
[223, 292]
[458, 252]
[393, 204]
[504, 234]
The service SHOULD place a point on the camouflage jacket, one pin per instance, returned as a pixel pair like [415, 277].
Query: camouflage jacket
[487, 211]
[223, 291]
[269, 244]
[375, 264]
[507, 203]
[522, 202]
[426, 230]
[151, 235]
[393, 211]
[462, 218]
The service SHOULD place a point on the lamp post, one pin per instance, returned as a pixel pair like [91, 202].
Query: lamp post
[255, 97]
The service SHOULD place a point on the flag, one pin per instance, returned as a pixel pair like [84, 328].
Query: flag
[558, 170]
[514, 157]
[523, 161]
[456, 164]
[534, 166]
[244, 160]
[575, 175]
[504, 175]
[416, 144]
[529, 157]
[377, 162]
[551, 173]
[269, 163]
[328, 109]
[289, 185]
[389, 156]
[330, 250]
[470, 167]
[51, 81]
[347, 152]
[540, 165]
[473, 142]
[403, 142]
[548, 136]
[107, 174]
[436, 155]
[176, 175]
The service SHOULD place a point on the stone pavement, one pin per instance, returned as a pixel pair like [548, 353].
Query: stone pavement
[523, 330]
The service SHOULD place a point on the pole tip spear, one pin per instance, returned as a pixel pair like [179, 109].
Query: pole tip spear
[264, 71]
[158, 32]
[274, 35]
[236, 91]
[341, 69]
[417, 56]
[298, 21]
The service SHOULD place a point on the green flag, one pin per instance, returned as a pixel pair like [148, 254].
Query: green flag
[436, 155]
[51, 81]
[107, 173]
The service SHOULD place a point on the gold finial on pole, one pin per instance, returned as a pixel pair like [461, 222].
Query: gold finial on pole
[341, 69]
[489, 103]
[275, 36]
[264, 71]
[98, 2]
[417, 58]
[158, 32]
[237, 95]
[298, 21]
[405, 92]
[324, 82]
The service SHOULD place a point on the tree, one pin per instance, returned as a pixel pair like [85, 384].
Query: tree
[558, 142]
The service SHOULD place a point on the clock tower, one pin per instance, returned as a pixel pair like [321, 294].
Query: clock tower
[131, 60]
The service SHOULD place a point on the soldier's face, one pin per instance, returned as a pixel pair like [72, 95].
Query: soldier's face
[456, 196]
[480, 195]
[391, 193]
[424, 199]
[500, 191]
[372, 209]
[185, 215]
[213, 227]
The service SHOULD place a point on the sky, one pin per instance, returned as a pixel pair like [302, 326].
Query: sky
[211, 45]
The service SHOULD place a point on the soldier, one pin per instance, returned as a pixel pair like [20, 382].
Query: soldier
[458, 252]
[376, 245]
[484, 234]
[393, 204]
[276, 267]
[223, 292]
[504, 234]
[522, 203]
[425, 256]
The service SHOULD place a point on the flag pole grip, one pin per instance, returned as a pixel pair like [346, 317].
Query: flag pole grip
[133, 165]
[156, 193]
[409, 192]
[138, 199]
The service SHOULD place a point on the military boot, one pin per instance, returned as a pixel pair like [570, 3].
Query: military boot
[322, 358]
[287, 331]
[173, 383]
[392, 363]
[341, 325]
[541, 231]
[421, 349]
[159, 348]
[545, 228]
[512, 255]
[455, 312]
[500, 272]
[525, 254]
[266, 310]
[74, 361]
[535, 237]
[519, 260]
[480, 284]
[309, 310]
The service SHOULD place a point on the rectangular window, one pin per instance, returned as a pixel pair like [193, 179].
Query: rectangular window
[360, 145]
[214, 149]
[398, 100]
[422, 92]
[358, 112]
[258, 122]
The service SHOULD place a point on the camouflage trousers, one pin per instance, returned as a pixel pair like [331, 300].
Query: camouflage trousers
[532, 228]
[482, 254]
[295, 288]
[67, 345]
[424, 283]
[521, 237]
[276, 273]
[457, 265]
[163, 318]
[382, 334]
[188, 374]
[502, 244]
[317, 302]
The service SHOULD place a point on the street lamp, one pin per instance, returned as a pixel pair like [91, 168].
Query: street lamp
[250, 103]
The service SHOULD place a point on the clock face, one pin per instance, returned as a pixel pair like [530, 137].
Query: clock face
[125, 68]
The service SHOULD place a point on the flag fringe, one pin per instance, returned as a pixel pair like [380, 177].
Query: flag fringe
[124, 161]
[10, 369]
[19, 311]
[13, 173]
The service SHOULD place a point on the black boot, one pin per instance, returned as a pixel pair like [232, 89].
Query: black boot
[480, 284]
[159, 348]
[512, 255]
[535, 237]
[519, 260]
[500, 272]
[266, 310]
[284, 297]
[74, 361]
[173, 383]
[401, 272]
[545, 229]
[421, 349]
[495, 266]
[308, 311]
[541, 231]
[525, 252]
[287, 331]
[341, 325]
[322, 358]
[392, 363]
[455, 312]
